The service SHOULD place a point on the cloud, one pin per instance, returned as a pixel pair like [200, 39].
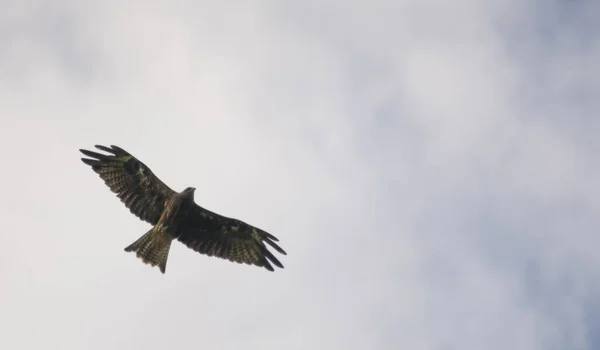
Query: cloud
[430, 169]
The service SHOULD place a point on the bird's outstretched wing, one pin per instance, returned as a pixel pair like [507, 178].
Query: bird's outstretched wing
[133, 182]
[212, 234]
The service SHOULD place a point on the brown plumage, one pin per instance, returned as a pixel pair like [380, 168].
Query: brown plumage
[175, 215]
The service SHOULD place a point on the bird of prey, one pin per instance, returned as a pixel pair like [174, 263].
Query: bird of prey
[176, 216]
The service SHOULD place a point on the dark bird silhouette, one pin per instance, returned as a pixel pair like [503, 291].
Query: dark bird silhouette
[176, 216]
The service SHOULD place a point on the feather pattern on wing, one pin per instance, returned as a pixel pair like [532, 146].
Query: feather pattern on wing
[215, 235]
[137, 187]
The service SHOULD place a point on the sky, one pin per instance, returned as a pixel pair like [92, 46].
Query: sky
[430, 167]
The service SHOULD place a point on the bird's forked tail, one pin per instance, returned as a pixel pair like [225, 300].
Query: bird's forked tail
[153, 248]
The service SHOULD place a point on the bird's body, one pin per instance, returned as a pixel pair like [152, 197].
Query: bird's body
[153, 247]
[175, 215]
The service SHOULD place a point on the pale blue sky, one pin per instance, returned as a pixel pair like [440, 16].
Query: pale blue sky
[431, 168]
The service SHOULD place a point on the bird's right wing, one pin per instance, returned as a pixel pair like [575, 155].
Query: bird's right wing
[215, 235]
[133, 182]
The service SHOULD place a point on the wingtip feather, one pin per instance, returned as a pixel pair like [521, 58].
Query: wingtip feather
[269, 257]
[267, 265]
[105, 149]
[270, 236]
[275, 246]
[119, 150]
[90, 162]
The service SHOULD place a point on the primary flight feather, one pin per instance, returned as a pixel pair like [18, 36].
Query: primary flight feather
[175, 215]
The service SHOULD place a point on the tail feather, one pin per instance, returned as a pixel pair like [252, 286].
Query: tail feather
[153, 248]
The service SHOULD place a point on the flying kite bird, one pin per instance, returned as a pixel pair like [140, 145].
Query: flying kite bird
[176, 216]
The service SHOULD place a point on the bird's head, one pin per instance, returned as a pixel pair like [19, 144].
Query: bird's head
[190, 191]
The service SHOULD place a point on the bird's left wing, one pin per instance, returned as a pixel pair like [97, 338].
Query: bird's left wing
[133, 182]
[212, 234]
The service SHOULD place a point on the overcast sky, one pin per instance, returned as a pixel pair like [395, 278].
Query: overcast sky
[431, 168]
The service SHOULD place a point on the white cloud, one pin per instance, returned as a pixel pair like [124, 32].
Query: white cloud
[429, 167]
